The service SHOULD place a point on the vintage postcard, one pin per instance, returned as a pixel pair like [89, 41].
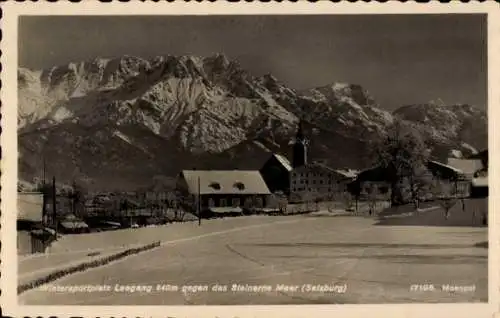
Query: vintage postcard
[249, 160]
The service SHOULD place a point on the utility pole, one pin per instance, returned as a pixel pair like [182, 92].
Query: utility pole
[199, 202]
[54, 203]
[73, 197]
[44, 194]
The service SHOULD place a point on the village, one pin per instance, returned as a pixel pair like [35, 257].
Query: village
[280, 187]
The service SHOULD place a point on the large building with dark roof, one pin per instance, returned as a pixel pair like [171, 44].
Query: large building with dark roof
[313, 180]
[317, 181]
[276, 173]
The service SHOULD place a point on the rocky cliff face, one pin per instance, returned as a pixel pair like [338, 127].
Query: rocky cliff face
[453, 125]
[119, 122]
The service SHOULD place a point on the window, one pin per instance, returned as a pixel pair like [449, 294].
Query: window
[239, 185]
[211, 202]
[236, 202]
[320, 181]
[215, 185]
[248, 202]
[222, 202]
[314, 182]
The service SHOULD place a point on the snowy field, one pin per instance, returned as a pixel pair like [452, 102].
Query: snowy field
[287, 260]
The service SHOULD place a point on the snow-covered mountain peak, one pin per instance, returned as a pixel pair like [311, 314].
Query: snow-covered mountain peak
[172, 111]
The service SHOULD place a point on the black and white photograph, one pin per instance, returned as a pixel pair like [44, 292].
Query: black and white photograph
[268, 159]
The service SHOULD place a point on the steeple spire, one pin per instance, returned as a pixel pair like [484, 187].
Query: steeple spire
[300, 132]
[300, 147]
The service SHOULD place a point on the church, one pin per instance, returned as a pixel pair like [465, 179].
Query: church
[301, 179]
[312, 180]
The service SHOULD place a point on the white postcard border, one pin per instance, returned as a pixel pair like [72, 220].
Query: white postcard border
[8, 140]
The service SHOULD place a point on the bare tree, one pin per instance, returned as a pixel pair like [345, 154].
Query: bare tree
[372, 196]
[401, 154]
[420, 184]
[444, 192]
[76, 196]
[182, 203]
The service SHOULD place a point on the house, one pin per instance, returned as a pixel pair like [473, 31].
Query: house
[223, 191]
[437, 173]
[458, 181]
[32, 236]
[317, 181]
[369, 181]
[475, 169]
[276, 173]
[72, 224]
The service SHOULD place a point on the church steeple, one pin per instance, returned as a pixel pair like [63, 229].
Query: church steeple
[300, 147]
[300, 132]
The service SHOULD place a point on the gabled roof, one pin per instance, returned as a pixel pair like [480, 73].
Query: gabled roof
[375, 173]
[30, 206]
[378, 173]
[445, 166]
[225, 182]
[284, 161]
[74, 225]
[466, 166]
[445, 171]
[348, 173]
[323, 167]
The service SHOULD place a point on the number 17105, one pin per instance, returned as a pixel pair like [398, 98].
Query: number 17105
[422, 287]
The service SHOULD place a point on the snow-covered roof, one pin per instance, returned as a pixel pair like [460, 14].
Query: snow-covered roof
[458, 171]
[74, 224]
[225, 182]
[225, 209]
[466, 166]
[284, 161]
[323, 167]
[480, 182]
[30, 206]
[348, 173]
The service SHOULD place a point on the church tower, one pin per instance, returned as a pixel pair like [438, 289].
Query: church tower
[300, 148]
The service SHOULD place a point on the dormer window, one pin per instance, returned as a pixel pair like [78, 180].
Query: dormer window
[215, 185]
[239, 185]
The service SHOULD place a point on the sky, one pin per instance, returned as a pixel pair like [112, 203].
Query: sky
[399, 59]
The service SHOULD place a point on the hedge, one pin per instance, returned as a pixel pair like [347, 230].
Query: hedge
[84, 266]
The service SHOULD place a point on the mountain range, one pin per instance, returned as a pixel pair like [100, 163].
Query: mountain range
[117, 124]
